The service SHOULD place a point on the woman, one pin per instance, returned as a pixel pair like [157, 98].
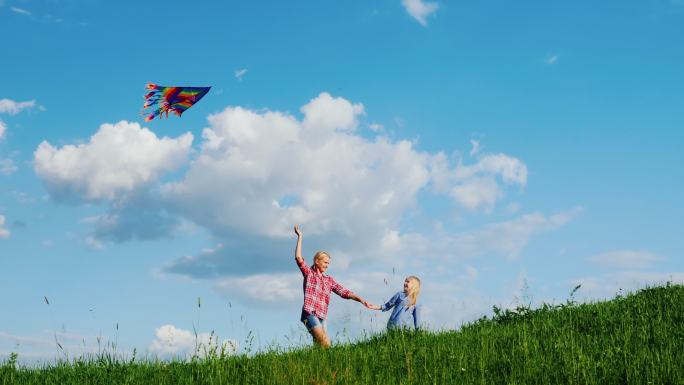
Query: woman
[317, 288]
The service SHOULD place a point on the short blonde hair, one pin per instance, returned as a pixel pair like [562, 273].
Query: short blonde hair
[320, 254]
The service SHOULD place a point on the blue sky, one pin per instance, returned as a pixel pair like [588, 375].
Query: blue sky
[501, 152]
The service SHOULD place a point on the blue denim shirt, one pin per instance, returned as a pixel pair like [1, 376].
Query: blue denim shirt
[401, 316]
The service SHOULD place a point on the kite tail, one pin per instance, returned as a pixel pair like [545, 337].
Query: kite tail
[156, 96]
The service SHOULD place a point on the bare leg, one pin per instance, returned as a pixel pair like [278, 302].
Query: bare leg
[320, 336]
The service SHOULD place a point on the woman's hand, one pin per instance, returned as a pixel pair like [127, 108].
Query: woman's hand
[371, 306]
[298, 248]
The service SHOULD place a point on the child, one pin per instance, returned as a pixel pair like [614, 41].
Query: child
[317, 288]
[405, 313]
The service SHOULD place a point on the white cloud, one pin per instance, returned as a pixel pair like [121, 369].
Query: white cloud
[240, 73]
[4, 233]
[3, 129]
[553, 59]
[258, 173]
[326, 113]
[8, 106]
[333, 180]
[477, 193]
[173, 341]
[420, 9]
[118, 159]
[626, 259]
[475, 186]
[20, 11]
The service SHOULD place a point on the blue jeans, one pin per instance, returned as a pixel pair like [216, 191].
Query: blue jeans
[311, 321]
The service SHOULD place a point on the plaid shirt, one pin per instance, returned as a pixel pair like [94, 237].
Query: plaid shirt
[317, 287]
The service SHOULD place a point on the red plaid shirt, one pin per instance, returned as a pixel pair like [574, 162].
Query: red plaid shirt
[317, 288]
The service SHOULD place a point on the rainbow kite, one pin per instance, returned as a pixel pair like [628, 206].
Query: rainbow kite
[175, 99]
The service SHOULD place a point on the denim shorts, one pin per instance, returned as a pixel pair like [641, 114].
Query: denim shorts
[311, 321]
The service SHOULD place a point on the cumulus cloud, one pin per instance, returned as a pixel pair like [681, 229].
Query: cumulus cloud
[3, 129]
[171, 341]
[420, 9]
[4, 233]
[259, 172]
[8, 106]
[117, 160]
[626, 259]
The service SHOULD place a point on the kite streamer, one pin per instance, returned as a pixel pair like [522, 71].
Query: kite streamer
[171, 99]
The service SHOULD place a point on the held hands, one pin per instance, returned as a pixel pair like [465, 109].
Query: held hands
[371, 306]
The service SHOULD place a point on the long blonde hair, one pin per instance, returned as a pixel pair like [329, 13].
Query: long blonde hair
[414, 290]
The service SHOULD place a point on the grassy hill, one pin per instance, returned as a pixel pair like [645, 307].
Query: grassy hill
[635, 339]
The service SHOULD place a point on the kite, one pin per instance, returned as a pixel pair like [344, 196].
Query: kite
[171, 99]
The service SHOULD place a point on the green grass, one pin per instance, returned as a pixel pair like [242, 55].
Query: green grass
[635, 339]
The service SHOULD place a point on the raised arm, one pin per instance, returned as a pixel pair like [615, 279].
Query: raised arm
[298, 253]
[298, 248]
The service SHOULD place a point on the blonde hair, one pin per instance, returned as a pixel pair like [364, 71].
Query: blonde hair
[320, 254]
[414, 290]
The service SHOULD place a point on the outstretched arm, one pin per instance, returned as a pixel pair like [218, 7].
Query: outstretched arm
[390, 304]
[359, 300]
[347, 294]
[298, 248]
